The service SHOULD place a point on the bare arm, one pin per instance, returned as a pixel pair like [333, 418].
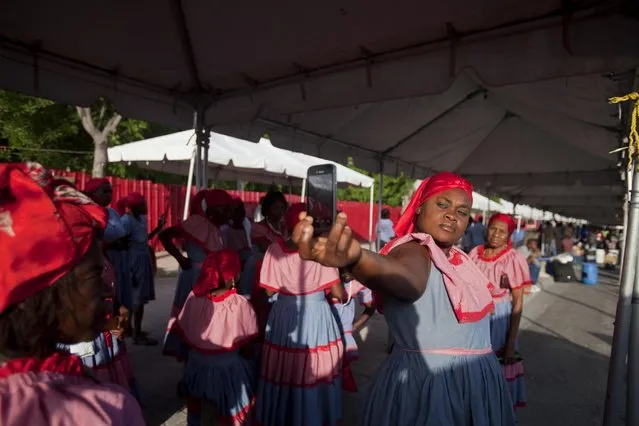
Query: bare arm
[337, 291]
[402, 274]
[515, 319]
[166, 238]
[369, 311]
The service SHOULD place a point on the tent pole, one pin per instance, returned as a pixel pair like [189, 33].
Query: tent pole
[189, 182]
[632, 402]
[304, 190]
[614, 410]
[198, 165]
[370, 214]
[379, 200]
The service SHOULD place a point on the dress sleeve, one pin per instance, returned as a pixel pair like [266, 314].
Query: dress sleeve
[365, 297]
[517, 271]
[114, 229]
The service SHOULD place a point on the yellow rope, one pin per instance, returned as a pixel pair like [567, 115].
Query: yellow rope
[633, 136]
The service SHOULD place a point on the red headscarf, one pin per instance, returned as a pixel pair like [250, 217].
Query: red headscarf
[507, 219]
[46, 228]
[218, 267]
[93, 184]
[292, 216]
[217, 198]
[430, 186]
[133, 199]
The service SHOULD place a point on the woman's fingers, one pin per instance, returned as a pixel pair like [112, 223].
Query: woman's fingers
[344, 242]
[335, 234]
[303, 237]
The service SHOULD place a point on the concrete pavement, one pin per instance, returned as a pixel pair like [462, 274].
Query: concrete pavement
[565, 339]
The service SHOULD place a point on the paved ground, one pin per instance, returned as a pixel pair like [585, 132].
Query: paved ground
[565, 339]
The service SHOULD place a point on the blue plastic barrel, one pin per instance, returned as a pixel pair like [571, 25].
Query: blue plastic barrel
[590, 272]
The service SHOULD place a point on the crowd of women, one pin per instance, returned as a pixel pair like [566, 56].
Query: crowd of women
[263, 314]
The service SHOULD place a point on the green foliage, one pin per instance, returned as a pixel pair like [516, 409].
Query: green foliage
[34, 129]
[395, 187]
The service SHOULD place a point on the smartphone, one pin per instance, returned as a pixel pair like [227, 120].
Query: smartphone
[321, 200]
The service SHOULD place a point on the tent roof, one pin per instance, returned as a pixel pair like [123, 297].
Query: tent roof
[229, 159]
[151, 57]
[506, 140]
[503, 94]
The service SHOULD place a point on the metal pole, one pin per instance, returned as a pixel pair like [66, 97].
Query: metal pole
[370, 214]
[632, 401]
[189, 182]
[614, 409]
[379, 200]
[198, 166]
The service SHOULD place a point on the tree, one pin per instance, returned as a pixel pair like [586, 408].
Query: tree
[99, 135]
[395, 187]
[35, 129]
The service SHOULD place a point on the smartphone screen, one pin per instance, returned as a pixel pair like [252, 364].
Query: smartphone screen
[322, 198]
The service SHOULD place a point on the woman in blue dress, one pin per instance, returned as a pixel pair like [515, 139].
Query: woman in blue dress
[442, 370]
[140, 264]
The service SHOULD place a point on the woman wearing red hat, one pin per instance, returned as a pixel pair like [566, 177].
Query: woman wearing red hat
[442, 370]
[107, 356]
[51, 291]
[209, 211]
[508, 270]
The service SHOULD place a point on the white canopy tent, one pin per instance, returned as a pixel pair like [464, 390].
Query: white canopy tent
[231, 159]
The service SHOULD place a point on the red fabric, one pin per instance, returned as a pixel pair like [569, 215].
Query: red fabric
[507, 219]
[433, 185]
[218, 268]
[46, 227]
[217, 198]
[59, 362]
[93, 184]
[135, 199]
[292, 216]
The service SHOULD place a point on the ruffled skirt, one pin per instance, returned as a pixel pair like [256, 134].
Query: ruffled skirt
[413, 388]
[301, 367]
[228, 381]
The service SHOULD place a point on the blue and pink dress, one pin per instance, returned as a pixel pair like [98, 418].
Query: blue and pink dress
[345, 314]
[300, 376]
[201, 237]
[139, 260]
[513, 266]
[442, 370]
[215, 328]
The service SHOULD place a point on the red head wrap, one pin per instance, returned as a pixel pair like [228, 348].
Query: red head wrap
[93, 184]
[292, 216]
[433, 185]
[133, 199]
[217, 198]
[218, 267]
[46, 228]
[507, 219]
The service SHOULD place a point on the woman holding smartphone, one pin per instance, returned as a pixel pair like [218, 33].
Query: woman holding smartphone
[442, 370]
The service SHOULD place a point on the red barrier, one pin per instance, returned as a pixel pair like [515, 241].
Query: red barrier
[169, 199]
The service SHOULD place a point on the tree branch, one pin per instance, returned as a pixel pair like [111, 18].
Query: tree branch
[87, 121]
[111, 125]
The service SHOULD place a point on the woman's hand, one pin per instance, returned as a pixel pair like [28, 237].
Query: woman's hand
[337, 249]
[509, 353]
